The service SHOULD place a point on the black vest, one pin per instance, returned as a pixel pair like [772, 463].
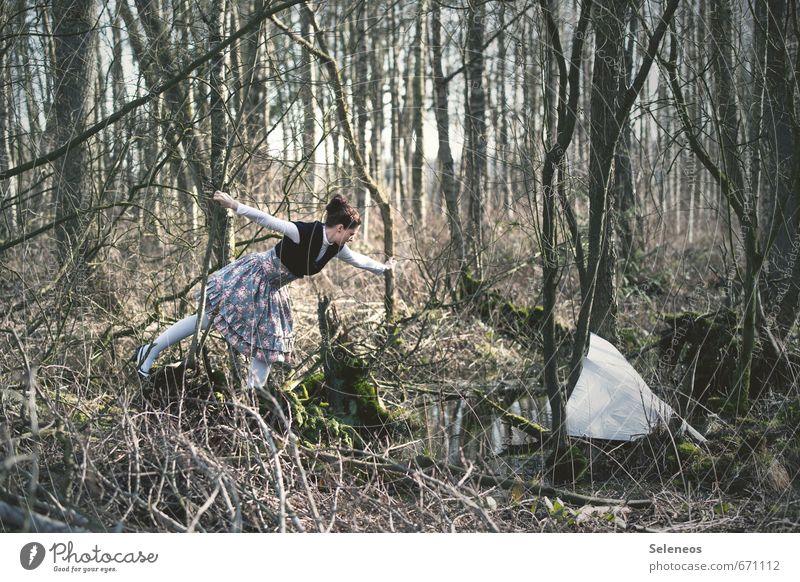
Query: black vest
[301, 258]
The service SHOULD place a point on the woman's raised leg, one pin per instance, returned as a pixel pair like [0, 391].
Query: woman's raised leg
[146, 355]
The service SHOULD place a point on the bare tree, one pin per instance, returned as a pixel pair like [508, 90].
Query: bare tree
[418, 196]
[449, 185]
[780, 161]
[475, 132]
[73, 37]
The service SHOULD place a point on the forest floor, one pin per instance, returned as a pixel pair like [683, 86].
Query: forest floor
[85, 445]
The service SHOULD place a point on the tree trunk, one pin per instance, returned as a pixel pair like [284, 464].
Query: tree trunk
[396, 130]
[73, 37]
[418, 102]
[559, 137]
[377, 64]
[624, 191]
[502, 157]
[360, 50]
[449, 186]
[8, 214]
[605, 132]
[780, 161]
[608, 22]
[219, 230]
[722, 65]
[307, 98]
[475, 130]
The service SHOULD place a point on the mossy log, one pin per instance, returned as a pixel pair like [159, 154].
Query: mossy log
[522, 323]
[530, 428]
[345, 384]
[709, 344]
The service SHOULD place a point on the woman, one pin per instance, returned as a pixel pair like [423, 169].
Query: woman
[247, 300]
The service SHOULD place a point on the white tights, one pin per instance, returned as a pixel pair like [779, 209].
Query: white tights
[256, 376]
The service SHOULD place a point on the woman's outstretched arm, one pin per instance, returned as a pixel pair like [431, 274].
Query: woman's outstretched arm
[364, 262]
[267, 220]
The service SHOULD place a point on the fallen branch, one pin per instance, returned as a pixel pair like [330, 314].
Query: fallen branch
[530, 428]
[419, 466]
[28, 520]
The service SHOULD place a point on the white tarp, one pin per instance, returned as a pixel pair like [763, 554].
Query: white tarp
[611, 401]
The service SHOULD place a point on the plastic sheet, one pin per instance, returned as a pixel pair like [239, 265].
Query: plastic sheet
[612, 402]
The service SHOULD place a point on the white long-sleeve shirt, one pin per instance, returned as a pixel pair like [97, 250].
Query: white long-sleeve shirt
[289, 230]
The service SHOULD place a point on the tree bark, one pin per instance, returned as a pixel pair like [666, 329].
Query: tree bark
[449, 186]
[603, 134]
[360, 84]
[732, 160]
[475, 131]
[780, 161]
[417, 103]
[565, 108]
[73, 37]
[8, 212]
[624, 192]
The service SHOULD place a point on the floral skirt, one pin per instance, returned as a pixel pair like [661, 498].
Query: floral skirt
[249, 305]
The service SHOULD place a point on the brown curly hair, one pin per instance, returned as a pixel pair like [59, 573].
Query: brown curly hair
[339, 211]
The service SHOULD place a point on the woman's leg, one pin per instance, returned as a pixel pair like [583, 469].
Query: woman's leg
[258, 373]
[173, 334]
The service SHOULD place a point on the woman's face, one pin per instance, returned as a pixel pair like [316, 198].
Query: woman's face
[342, 235]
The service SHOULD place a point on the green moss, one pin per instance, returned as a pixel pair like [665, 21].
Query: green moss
[312, 387]
[688, 451]
[352, 394]
[336, 410]
[311, 418]
[693, 461]
[521, 322]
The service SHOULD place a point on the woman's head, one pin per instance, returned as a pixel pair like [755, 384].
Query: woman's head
[338, 211]
[341, 220]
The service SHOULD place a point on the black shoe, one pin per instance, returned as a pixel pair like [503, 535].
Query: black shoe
[139, 357]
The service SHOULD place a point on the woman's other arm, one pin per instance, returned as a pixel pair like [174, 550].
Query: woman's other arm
[267, 220]
[364, 262]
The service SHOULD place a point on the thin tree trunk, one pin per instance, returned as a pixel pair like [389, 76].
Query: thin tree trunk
[565, 108]
[608, 22]
[625, 193]
[502, 157]
[417, 102]
[780, 160]
[475, 130]
[394, 92]
[360, 49]
[8, 214]
[606, 132]
[377, 63]
[722, 32]
[449, 186]
[307, 98]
